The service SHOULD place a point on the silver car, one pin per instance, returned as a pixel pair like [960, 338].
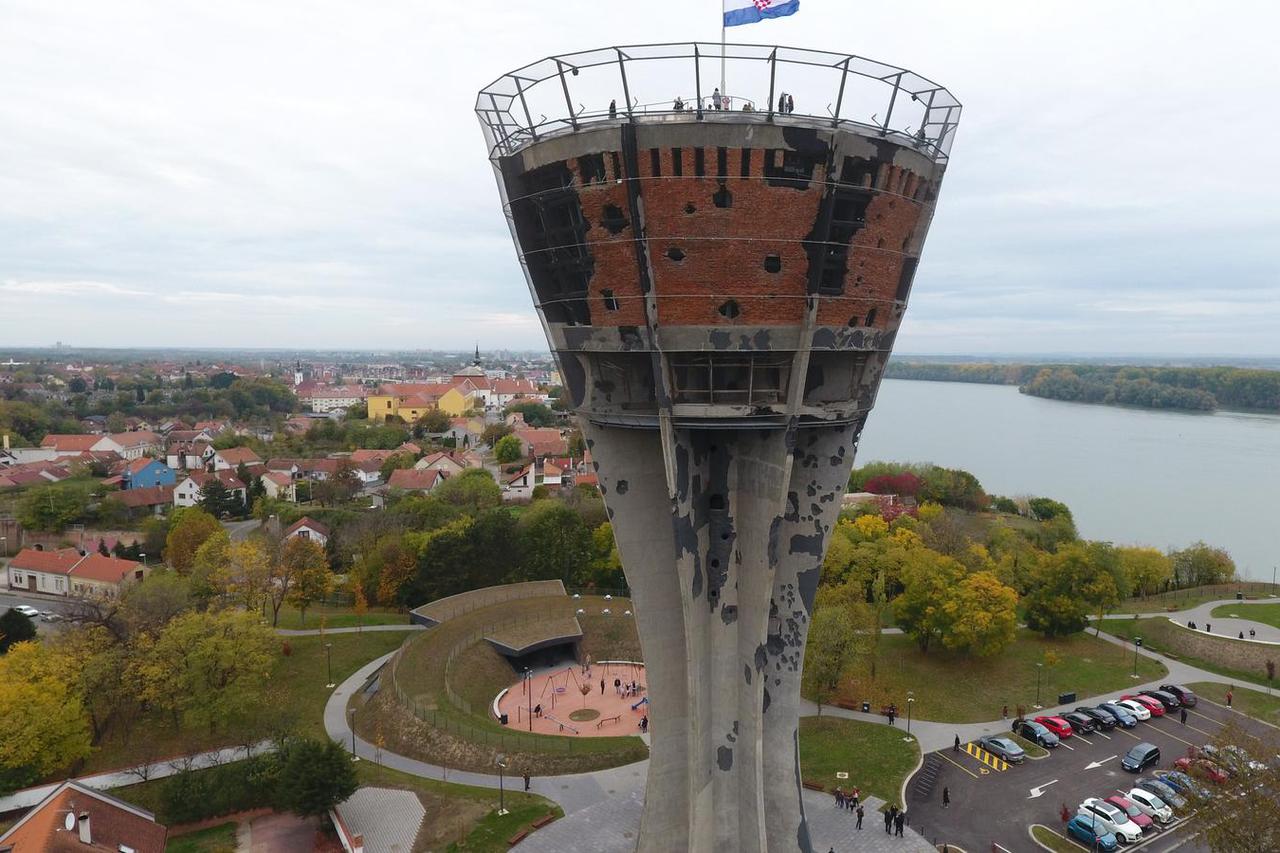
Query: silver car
[1004, 748]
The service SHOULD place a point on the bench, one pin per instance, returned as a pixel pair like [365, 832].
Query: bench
[609, 720]
[517, 838]
[849, 706]
[543, 821]
[815, 786]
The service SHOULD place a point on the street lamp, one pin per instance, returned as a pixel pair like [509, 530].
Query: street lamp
[143, 555]
[911, 700]
[328, 654]
[1039, 671]
[1137, 644]
[502, 765]
[5, 540]
[352, 714]
[528, 692]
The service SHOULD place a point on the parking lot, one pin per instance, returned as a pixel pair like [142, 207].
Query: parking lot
[990, 805]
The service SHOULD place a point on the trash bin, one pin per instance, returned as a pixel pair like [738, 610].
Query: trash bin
[1066, 698]
[503, 719]
[1239, 596]
[866, 707]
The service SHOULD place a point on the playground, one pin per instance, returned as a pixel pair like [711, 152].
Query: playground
[568, 700]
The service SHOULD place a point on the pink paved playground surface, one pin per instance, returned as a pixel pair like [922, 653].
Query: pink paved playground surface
[559, 693]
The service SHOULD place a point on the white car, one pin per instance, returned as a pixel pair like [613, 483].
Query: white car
[1150, 805]
[50, 616]
[1136, 709]
[1111, 818]
[27, 611]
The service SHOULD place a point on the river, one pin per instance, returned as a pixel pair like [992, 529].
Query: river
[1131, 476]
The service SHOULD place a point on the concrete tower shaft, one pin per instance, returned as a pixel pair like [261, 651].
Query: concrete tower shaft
[721, 290]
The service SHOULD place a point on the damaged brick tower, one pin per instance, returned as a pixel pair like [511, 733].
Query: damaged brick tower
[721, 289]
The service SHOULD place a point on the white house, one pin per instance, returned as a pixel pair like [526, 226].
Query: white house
[279, 485]
[191, 489]
[519, 486]
[233, 457]
[308, 528]
[42, 571]
[131, 445]
[552, 474]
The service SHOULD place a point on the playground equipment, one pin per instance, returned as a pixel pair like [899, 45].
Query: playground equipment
[644, 701]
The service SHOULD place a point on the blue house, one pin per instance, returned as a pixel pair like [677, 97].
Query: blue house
[146, 473]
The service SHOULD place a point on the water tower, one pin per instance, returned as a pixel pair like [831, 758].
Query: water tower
[721, 284]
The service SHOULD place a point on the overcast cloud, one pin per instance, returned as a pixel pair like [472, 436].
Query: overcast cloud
[311, 174]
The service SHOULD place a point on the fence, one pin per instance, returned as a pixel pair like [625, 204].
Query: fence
[655, 82]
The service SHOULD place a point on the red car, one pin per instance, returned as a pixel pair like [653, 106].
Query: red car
[1135, 814]
[1152, 705]
[1202, 768]
[1057, 725]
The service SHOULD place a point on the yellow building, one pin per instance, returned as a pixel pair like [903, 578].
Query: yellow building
[409, 402]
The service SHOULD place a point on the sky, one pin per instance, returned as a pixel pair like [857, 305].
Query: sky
[311, 174]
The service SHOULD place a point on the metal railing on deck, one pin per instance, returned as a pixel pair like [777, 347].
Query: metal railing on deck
[651, 82]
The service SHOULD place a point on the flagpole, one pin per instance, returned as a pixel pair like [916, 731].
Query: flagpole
[724, 92]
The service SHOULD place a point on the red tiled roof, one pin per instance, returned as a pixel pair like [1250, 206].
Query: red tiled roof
[113, 824]
[134, 439]
[51, 562]
[235, 455]
[228, 478]
[280, 478]
[412, 480]
[150, 496]
[96, 567]
[70, 443]
[308, 522]
[367, 455]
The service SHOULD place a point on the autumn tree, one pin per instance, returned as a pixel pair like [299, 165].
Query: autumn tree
[508, 449]
[190, 528]
[929, 581]
[473, 490]
[982, 616]
[211, 568]
[554, 543]
[298, 557]
[1148, 569]
[829, 653]
[249, 573]
[1200, 565]
[46, 729]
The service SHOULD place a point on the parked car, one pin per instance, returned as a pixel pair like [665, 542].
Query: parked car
[1104, 720]
[1137, 815]
[1137, 709]
[27, 611]
[1036, 733]
[1112, 819]
[1185, 696]
[1150, 805]
[1168, 700]
[50, 616]
[1057, 725]
[1155, 706]
[1183, 784]
[1081, 724]
[1163, 791]
[1141, 757]
[1003, 748]
[1203, 768]
[1123, 716]
[1090, 832]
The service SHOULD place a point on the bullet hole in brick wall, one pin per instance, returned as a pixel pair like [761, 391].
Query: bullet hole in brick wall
[730, 309]
[610, 301]
[723, 198]
[716, 502]
[612, 219]
[772, 263]
[690, 209]
[676, 254]
[857, 279]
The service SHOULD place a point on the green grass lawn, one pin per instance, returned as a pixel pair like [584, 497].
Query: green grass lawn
[1267, 614]
[876, 757]
[1157, 635]
[951, 687]
[1255, 703]
[215, 839]
[297, 684]
[1184, 599]
[1053, 840]
[338, 617]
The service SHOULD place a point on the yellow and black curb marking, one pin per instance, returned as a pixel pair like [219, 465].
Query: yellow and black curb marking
[998, 764]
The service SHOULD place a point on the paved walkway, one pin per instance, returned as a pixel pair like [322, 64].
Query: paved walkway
[315, 632]
[1227, 626]
[118, 778]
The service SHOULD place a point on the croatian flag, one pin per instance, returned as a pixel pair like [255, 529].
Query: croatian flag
[739, 12]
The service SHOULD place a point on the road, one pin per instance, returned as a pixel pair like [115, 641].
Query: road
[989, 805]
[239, 531]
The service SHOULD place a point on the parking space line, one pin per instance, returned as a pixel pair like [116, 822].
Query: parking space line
[1100, 734]
[1081, 739]
[1175, 737]
[957, 764]
[1129, 733]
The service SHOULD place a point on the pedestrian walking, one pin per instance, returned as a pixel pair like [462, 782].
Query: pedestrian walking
[1228, 697]
[1182, 716]
[888, 822]
[1208, 629]
[782, 103]
[613, 108]
[791, 105]
[617, 686]
[716, 97]
[839, 798]
[946, 797]
[1004, 712]
[526, 781]
[1241, 637]
[857, 796]
[956, 748]
[861, 812]
[893, 712]
[899, 822]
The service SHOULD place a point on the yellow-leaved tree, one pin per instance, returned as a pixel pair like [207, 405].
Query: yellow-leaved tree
[46, 728]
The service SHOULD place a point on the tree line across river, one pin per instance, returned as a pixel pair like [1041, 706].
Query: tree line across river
[1185, 388]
